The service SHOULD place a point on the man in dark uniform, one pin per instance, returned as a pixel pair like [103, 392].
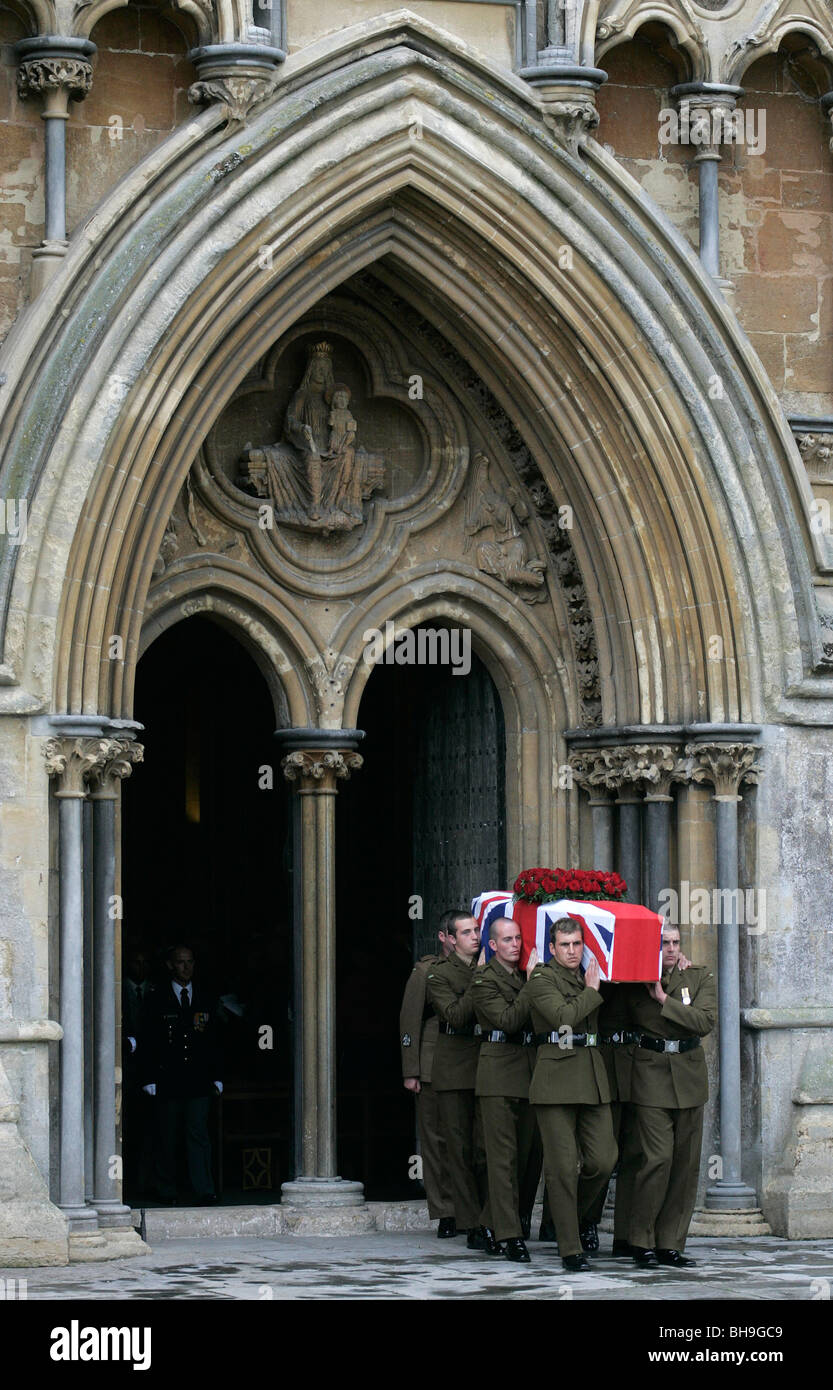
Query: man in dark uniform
[179, 1057]
[453, 1077]
[570, 1089]
[669, 1087]
[616, 1046]
[418, 1029]
[504, 1071]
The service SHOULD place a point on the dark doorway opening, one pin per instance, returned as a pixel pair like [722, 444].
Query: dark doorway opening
[206, 861]
[423, 819]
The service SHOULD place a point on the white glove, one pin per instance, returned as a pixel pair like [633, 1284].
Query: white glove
[219, 1086]
[151, 1089]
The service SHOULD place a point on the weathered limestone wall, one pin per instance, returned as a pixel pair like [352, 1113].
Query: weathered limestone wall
[139, 94]
[21, 172]
[776, 208]
[490, 29]
[785, 984]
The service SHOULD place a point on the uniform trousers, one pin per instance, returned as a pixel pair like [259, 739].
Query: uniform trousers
[513, 1162]
[624, 1130]
[665, 1185]
[434, 1156]
[191, 1112]
[462, 1131]
[565, 1128]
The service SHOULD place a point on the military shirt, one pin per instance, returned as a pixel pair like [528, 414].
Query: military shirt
[673, 1080]
[450, 992]
[418, 1024]
[501, 1002]
[565, 1074]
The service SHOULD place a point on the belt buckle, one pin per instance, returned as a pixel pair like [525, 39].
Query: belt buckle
[477, 1030]
[528, 1038]
[672, 1046]
[616, 1037]
[591, 1040]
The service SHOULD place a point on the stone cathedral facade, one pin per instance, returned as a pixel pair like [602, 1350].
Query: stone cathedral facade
[505, 319]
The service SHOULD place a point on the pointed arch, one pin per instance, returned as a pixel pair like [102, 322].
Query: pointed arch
[391, 144]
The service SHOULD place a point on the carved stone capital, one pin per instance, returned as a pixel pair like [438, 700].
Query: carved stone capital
[724, 765]
[598, 771]
[571, 122]
[57, 80]
[654, 766]
[71, 761]
[817, 454]
[568, 97]
[105, 777]
[319, 769]
[239, 94]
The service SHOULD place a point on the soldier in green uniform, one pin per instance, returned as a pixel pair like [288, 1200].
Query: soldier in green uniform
[570, 1090]
[453, 1076]
[504, 1071]
[669, 1087]
[616, 1048]
[418, 1036]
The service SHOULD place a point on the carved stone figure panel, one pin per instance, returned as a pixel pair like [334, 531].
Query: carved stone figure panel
[313, 442]
[494, 513]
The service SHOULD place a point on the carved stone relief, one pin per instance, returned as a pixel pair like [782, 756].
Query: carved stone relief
[493, 524]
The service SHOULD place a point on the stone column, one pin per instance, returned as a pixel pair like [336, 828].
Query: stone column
[563, 78]
[105, 779]
[726, 766]
[704, 108]
[315, 761]
[654, 766]
[629, 866]
[591, 770]
[57, 70]
[69, 761]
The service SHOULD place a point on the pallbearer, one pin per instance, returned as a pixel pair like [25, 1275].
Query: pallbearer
[417, 1040]
[504, 1071]
[570, 1090]
[453, 1077]
[669, 1087]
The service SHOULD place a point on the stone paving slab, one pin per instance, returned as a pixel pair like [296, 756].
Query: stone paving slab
[418, 1266]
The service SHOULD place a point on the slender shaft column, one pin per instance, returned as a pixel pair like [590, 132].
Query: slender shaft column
[107, 1176]
[592, 769]
[56, 69]
[657, 836]
[601, 807]
[705, 108]
[315, 761]
[70, 761]
[726, 766]
[629, 867]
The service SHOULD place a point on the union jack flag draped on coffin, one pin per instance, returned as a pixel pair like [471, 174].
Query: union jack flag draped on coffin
[625, 938]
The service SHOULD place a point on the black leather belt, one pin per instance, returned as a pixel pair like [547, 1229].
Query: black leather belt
[520, 1039]
[568, 1039]
[667, 1044]
[619, 1039]
[469, 1030]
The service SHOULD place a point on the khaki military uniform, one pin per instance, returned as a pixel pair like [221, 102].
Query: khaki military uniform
[614, 1025]
[417, 1039]
[453, 1075]
[504, 1071]
[571, 1095]
[669, 1090]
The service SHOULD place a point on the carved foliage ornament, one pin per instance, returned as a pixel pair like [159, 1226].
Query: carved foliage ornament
[817, 452]
[571, 121]
[78, 763]
[724, 765]
[317, 765]
[43, 75]
[239, 94]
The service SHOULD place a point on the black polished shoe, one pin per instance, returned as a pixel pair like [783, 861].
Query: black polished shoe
[644, 1259]
[589, 1236]
[491, 1246]
[546, 1231]
[475, 1239]
[575, 1264]
[447, 1227]
[515, 1250]
[622, 1249]
[674, 1258]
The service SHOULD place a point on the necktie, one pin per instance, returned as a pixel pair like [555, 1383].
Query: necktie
[184, 1001]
